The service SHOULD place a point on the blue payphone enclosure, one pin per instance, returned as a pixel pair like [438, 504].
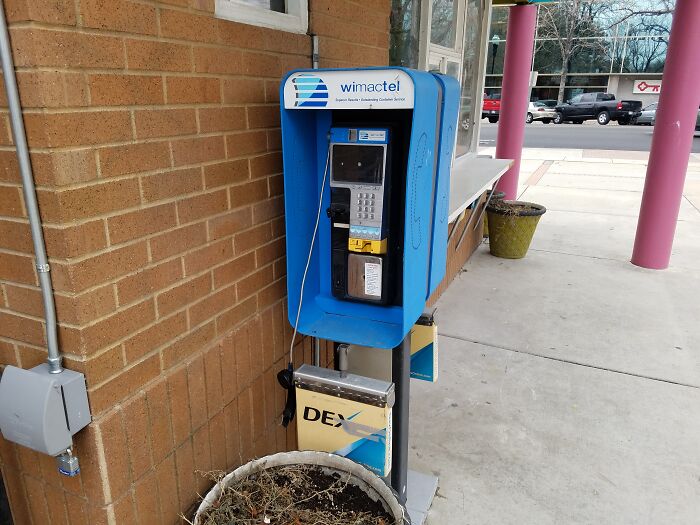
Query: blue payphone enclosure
[308, 98]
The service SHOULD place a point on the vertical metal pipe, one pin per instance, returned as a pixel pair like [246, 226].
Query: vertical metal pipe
[25, 169]
[317, 351]
[314, 51]
[401, 375]
[672, 141]
[514, 95]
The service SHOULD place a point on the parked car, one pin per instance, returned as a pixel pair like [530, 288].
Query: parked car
[543, 110]
[648, 115]
[491, 108]
[697, 122]
[599, 106]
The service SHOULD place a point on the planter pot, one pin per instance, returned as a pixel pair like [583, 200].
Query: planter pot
[497, 196]
[511, 227]
[373, 486]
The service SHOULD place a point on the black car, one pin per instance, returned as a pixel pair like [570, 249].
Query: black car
[602, 107]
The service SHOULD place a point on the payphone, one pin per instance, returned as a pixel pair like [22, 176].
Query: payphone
[361, 200]
[367, 155]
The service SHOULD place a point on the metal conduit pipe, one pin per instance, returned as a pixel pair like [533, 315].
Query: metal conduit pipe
[20, 138]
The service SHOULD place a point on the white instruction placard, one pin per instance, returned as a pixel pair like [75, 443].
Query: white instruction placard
[373, 279]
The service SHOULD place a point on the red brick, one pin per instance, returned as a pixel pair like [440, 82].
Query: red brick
[201, 206]
[171, 184]
[221, 119]
[148, 281]
[255, 340]
[234, 270]
[193, 90]
[248, 193]
[261, 64]
[178, 241]
[212, 305]
[157, 56]
[217, 441]
[11, 202]
[193, 342]
[167, 490]
[77, 510]
[155, 336]
[119, 15]
[125, 90]
[276, 184]
[132, 158]
[226, 173]
[260, 411]
[140, 223]
[268, 339]
[202, 456]
[186, 26]
[124, 510]
[212, 371]
[22, 329]
[74, 129]
[197, 388]
[274, 140]
[253, 238]
[246, 143]
[110, 329]
[272, 91]
[116, 452]
[272, 293]
[179, 405]
[233, 443]
[159, 416]
[138, 436]
[146, 498]
[186, 484]
[268, 209]
[208, 257]
[230, 223]
[99, 367]
[52, 89]
[109, 394]
[254, 282]
[245, 424]
[183, 294]
[197, 150]
[218, 60]
[270, 252]
[75, 240]
[15, 236]
[9, 169]
[263, 117]
[165, 122]
[86, 307]
[99, 269]
[44, 47]
[52, 11]
[266, 165]
[236, 315]
[243, 35]
[36, 495]
[8, 356]
[244, 91]
[88, 201]
[60, 168]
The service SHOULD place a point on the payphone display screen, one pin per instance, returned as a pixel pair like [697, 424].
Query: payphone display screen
[358, 164]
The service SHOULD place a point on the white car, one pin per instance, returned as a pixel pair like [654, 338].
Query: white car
[541, 110]
[648, 115]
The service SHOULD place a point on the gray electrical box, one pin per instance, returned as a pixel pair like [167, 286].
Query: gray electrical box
[40, 410]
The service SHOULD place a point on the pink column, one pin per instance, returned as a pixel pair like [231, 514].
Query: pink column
[672, 142]
[520, 41]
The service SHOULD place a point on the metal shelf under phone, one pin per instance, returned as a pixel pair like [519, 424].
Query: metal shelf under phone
[356, 388]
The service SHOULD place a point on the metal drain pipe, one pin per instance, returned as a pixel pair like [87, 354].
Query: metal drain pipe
[25, 168]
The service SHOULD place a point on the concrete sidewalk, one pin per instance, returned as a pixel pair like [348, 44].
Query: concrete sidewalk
[569, 387]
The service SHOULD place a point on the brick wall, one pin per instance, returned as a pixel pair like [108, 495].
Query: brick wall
[154, 136]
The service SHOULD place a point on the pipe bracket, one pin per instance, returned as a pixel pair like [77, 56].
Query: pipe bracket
[43, 268]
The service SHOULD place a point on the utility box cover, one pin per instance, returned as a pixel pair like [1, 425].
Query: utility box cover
[40, 410]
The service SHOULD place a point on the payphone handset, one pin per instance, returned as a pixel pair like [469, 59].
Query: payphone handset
[360, 176]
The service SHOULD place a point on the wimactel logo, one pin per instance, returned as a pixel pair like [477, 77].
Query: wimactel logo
[310, 91]
[372, 87]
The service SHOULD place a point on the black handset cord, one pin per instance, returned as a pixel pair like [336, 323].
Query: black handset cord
[286, 377]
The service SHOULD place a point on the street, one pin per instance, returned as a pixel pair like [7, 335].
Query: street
[585, 136]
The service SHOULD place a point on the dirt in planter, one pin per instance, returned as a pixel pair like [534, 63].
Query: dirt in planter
[296, 495]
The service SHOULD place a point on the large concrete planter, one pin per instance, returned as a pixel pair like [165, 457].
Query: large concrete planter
[372, 485]
[511, 227]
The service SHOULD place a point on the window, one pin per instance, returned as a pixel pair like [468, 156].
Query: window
[287, 15]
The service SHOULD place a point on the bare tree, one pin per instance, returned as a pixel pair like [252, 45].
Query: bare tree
[627, 9]
[570, 25]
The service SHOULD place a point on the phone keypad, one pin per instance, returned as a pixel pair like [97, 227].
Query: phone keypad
[365, 205]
